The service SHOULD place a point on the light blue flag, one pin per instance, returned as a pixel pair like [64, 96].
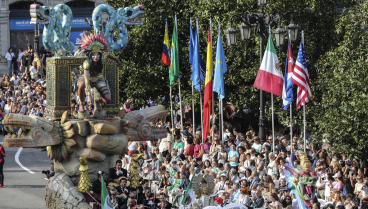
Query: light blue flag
[196, 65]
[220, 69]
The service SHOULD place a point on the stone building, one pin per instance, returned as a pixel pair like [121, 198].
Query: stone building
[17, 32]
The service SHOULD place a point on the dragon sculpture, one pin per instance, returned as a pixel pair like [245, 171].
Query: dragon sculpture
[99, 141]
[57, 23]
[302, 179]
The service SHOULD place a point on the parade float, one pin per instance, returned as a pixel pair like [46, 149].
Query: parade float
[82, 147]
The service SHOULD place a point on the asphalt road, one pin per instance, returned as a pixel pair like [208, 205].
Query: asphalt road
[22, 189]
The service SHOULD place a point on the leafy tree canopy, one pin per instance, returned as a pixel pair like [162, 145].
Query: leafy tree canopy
[335, 50]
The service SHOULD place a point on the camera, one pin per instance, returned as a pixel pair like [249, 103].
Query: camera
[46, 172]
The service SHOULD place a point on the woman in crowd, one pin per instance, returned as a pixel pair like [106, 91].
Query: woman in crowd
[244, 197]
[207, 165]
[257, 144]
[222, 155]
[10, 57]
[275, 202]
[30, 54]
[229, 187]
[198, 149]
[215, 148]
[287, 203]
[19, 59]
[177, 182]
[241, 151]
[166, 180]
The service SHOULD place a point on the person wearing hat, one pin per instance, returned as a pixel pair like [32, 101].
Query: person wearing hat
[220, 186]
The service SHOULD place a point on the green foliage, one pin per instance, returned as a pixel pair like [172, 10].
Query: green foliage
[334, 45]
[342, 87]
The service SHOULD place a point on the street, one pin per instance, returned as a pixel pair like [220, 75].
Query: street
[24, 187]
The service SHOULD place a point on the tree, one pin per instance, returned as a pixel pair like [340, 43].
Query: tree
[342, 86]
[143, 76]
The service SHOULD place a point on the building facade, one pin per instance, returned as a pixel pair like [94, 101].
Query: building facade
[17, 32]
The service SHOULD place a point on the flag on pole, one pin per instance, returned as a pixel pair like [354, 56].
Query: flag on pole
[191, 43]
[189, 191]
[269, 77]
[220, 69]
[196, 64]
[287, 90]
[105, 198]
[207, 109]
[174, 65]
[191, 55]
[301, 78]
[165, 52]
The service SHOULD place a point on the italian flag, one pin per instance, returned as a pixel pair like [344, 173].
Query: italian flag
[269, 77]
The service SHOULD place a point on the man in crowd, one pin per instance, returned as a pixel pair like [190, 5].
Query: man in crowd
[123, 189]
[148, 173]
[163, 202]
[156, 163]
[142, 188]
[199, 164]
[258, 201]
[117, 172]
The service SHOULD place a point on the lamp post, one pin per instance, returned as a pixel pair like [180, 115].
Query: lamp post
[260, 22]
[36, 38]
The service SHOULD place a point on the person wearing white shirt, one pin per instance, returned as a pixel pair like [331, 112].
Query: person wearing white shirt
[20, 55]
[33, 69]
[9, 57]
[243, 197]
[15, 79]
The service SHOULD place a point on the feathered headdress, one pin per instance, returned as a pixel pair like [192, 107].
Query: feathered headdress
[94, 42]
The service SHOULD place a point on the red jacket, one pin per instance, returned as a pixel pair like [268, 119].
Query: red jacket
[189, 150]
[2, 153]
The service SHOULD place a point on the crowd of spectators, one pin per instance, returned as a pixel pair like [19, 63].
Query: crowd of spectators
[244, 169]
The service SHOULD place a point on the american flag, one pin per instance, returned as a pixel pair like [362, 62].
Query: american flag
[301, 78]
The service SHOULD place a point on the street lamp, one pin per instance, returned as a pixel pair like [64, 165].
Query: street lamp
[262, 3]
[245, 31]
[231, 35]
[260, 22]
[293, 30]
[280, 36]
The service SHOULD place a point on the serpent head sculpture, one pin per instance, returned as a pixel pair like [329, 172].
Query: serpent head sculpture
[39, 14]
[100, 141]
[301, 179]
[57, 23]
[124, 16]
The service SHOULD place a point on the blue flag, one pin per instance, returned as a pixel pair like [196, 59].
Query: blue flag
[220, 69]
[191, 43]
[196, 65]
[287, 90]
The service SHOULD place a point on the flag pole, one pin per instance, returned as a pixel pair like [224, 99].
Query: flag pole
[291, 126]
[212, 102]
[304, 121]
[200, 93]
[181, 111]
[171, 106]
[221, 118]
[273, 121]
[273, 126]
[193, 110]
